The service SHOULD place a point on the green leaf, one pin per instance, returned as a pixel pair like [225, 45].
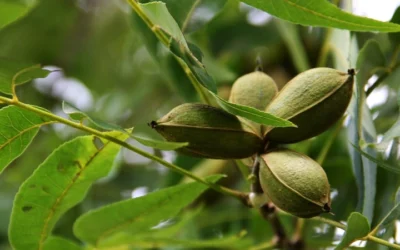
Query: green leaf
[159, 15]
[195, 22]
[393, 132]
[26, 72]
[32, 73]
[370, 60]
[365, 171]
[203, 77]
[395, 37]
[291, 37]
[217, 69]
[177, 77]
[197, 68]
[392, 80]
[397, 196]
[18, 127]
[167, 62]
[163, 145]
[340, 45]
[55, 242]
[229, 242]
[11, 11]
[184, 12]
[387, 187]
[357, 227]
[320, 13]
[179, 225]
[76, 114]
[253, 114]
[79, 115]
[179, 9]
[391, 217]
[135, 215]
[393, 169]
[58, 184]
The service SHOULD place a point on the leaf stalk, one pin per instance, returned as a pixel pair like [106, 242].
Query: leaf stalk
[78, 125]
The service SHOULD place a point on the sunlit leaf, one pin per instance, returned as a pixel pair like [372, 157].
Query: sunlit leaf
[320, 13]
[18, 127]
[137, 214]
[58, 184]
[357, 227]
[55, 242]
[11, 11]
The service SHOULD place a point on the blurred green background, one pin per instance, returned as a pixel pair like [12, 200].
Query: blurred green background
[108, 64]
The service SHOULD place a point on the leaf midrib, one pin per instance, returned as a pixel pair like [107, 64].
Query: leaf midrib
[335, 19]
[43, 234]
[8, 141]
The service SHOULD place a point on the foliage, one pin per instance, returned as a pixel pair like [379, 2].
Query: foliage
[76, 148]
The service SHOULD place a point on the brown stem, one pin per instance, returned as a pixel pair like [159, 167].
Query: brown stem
[268, 212]
[377, 83]
[255, 185]
[297, 241]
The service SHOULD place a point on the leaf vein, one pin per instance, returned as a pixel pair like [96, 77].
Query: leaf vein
[20, 132]
[53, 208]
